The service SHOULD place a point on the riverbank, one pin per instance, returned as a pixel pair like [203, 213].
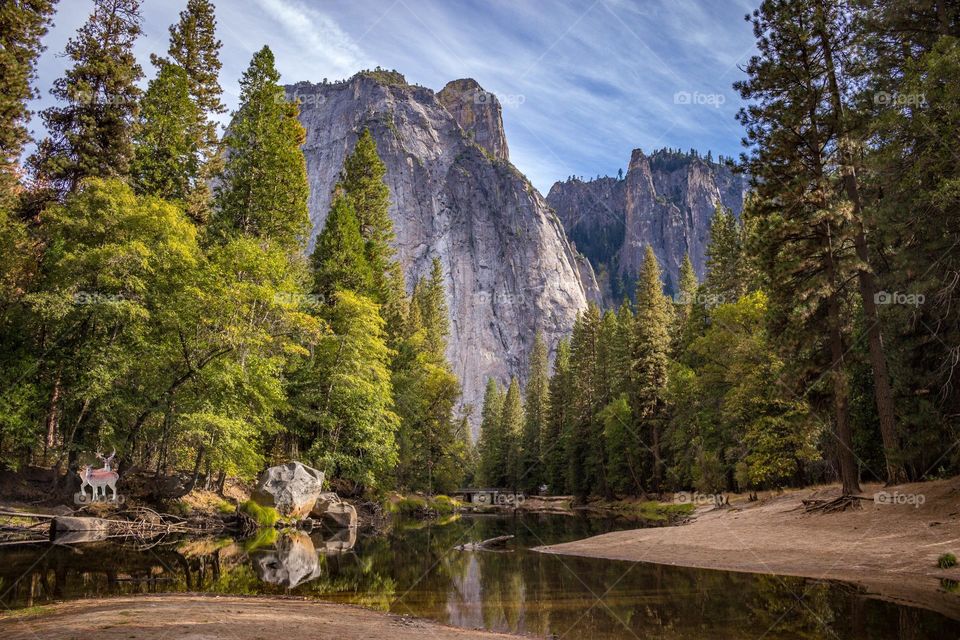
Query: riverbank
[890, 549]
[239, 618]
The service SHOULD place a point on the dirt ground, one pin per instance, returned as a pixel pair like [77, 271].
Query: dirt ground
[890, 549]
[196, 617]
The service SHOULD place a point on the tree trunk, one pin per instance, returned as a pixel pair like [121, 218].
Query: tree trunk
[53, 415]
[883, 393]
[849, 476]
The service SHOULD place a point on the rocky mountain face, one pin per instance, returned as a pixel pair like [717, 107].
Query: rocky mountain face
[509, 268]
[665, 200]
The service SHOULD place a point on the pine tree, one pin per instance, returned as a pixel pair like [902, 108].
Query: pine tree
[195, 49]
[362, 181]
[434, 313]
[338, 261]
[554, 434]
[492, 446]
[91, 135]
[165, 162]
[684, 303]
[803, 221]
[651, 347]
[263, 188]
[726, 277]
[22, 26]
[536, 410]
[584, 448]
[511, 425]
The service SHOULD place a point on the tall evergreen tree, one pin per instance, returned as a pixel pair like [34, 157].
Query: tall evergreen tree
[801, 218]
[584, 447]
[536, 409]
[434, 313]
[165, 162]
[511, 425]
[651, 348]
[727, 278]
[362, 180]
[554, 452]
[195, 48]
[91, 133]
[263, 188]
[492, 445]
[338, 260]
[22, 25]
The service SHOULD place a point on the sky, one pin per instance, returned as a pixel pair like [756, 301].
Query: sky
[582, 82]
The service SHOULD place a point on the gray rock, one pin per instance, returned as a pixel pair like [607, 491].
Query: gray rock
[292, 489]
[339, 514]
[508, 266]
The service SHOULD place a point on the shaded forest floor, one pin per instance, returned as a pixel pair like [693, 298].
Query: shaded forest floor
[889, 549]
[239, 618]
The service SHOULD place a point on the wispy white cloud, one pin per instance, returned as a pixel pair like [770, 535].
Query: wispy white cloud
[586, 81]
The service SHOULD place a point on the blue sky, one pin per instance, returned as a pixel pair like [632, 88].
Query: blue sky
[582, 83]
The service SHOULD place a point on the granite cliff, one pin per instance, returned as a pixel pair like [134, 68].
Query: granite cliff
[666, 200]
[509, 268]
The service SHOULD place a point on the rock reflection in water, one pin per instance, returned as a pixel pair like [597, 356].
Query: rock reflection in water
[294, 559]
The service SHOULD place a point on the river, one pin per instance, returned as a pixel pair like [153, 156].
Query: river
[414, 570]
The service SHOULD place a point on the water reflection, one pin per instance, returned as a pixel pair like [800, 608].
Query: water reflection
[415, 570]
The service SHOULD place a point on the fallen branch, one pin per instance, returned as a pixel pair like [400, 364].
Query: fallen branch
[499, 541]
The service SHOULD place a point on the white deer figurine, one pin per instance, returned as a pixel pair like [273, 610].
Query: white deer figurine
[99, 479]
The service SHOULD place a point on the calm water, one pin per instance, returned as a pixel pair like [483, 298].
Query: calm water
[414, 570]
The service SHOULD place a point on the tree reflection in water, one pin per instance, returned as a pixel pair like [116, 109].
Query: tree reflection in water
[413, 569]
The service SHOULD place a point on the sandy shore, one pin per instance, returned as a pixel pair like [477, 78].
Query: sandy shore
[889, 549]
[197, 617]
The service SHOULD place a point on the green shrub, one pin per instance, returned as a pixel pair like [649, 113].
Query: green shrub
[264, 516]
[445, 505]
[947, 560]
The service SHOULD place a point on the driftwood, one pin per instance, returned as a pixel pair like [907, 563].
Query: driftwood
[490, 543]
[833, 506]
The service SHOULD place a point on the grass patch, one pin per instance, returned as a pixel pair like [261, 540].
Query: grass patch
[265, 517]
[650, 510]
[439, 505]
[265, 538]
[36, 610]
[946, 561]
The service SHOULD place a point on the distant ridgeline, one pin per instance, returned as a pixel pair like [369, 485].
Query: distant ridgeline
[666, 200]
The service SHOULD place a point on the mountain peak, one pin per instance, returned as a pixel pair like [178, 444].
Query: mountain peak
[478, 113]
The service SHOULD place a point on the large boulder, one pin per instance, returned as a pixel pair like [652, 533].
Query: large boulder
[341, 515]
[292, 489]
